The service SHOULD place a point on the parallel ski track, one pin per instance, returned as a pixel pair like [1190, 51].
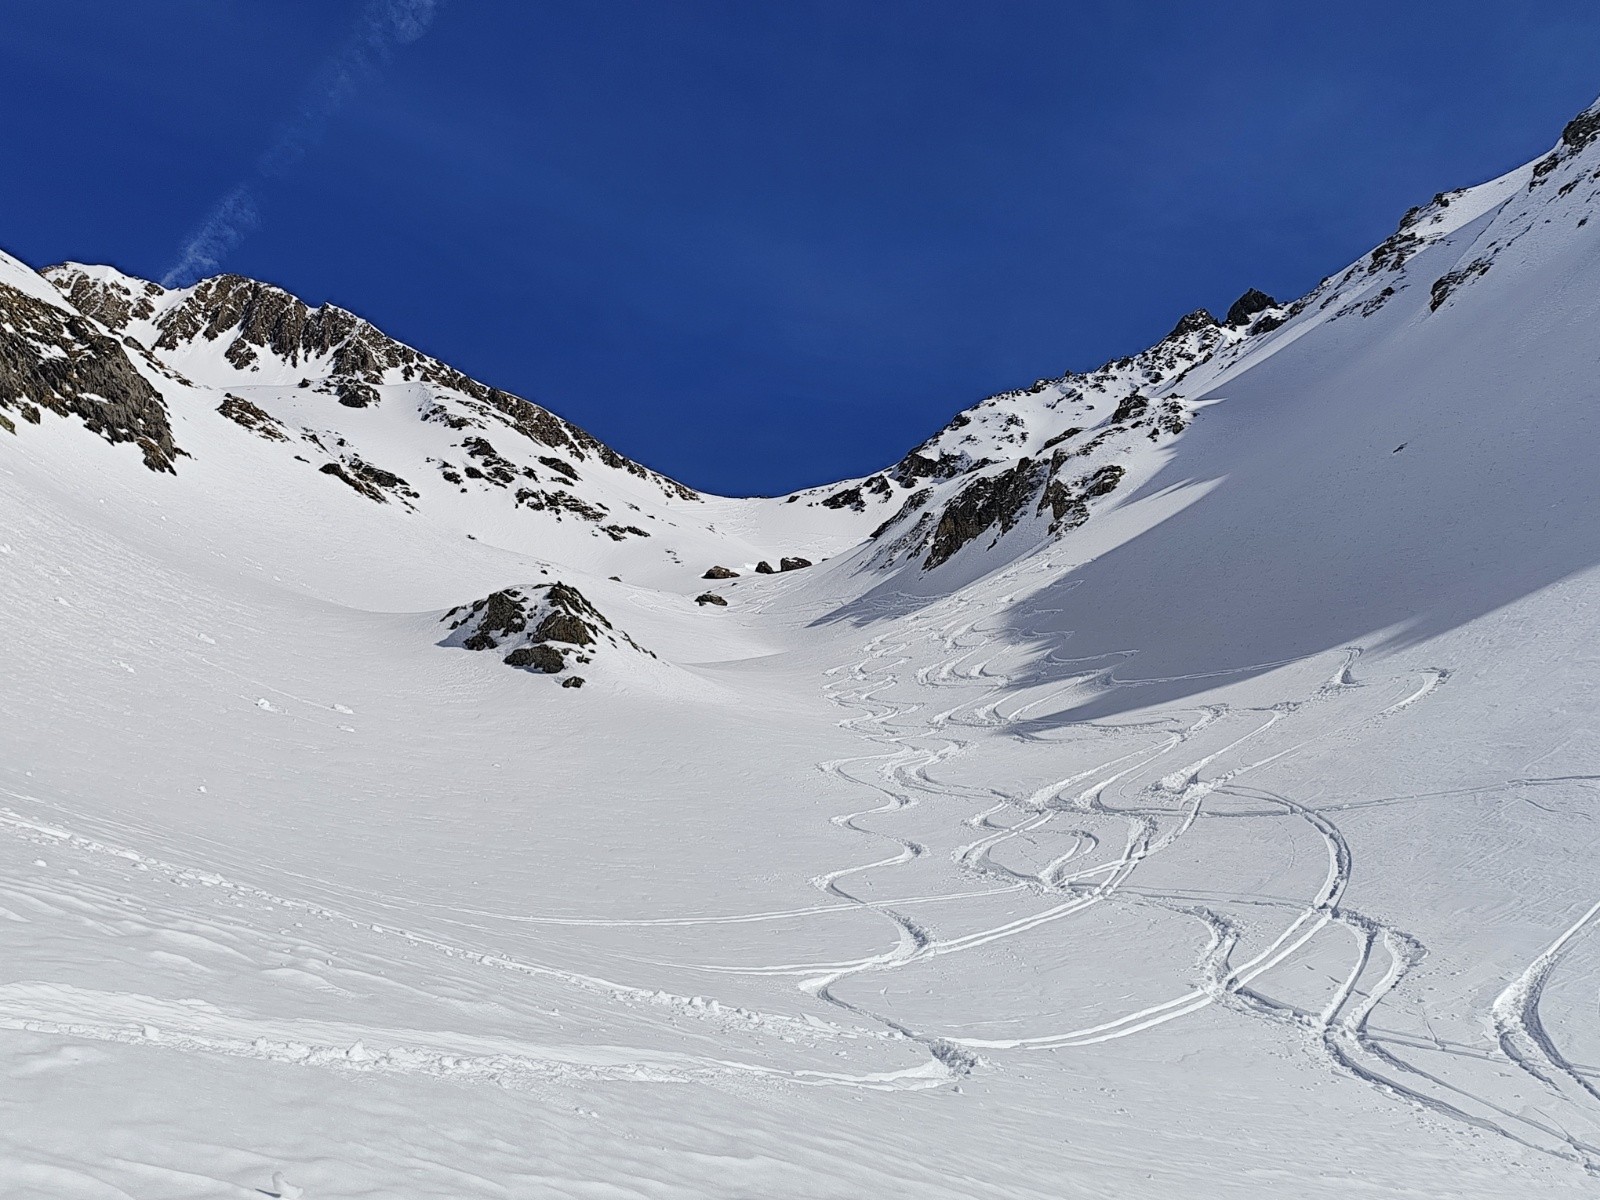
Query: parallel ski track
[1382, 955]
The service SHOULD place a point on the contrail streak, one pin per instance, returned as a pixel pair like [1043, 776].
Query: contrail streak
[383, 27]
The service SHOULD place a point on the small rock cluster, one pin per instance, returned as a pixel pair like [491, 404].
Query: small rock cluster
[538, 627]
[784, 564]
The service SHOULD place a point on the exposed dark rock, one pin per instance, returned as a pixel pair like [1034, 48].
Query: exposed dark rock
[441, 414]
[491, 465]
[1373, 305]
[1063, 436]
[547, 660]
[994, 500]
[1131, 406]
[855, 498]
[618, 533]
[1100, 483]
[1395, 251]
[252, 318]
[572, 681]
[720, 573]
[1582, 129]
[710, 598]
[917, 466]
[1191, 323]
[913, 502]
[501, 614]
[257, 420]
[561, 467]
[793, 564]
[62, 361]
[115, 304]
[765, 568]
[1169, 418]
[372, 482]
[1447, 284]
[542, 624]
[1066, 510]
[355, 394]
[1575, 138]
[1246, 306]
[559, 502]
[565, 627]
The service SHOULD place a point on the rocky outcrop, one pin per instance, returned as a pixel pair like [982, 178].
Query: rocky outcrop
[720, 573]
[543, 658]
[987, 503]
[1446, 285]
[113, 299]
[705, 598]
[256, 324]
[1192, 322]
[55, 359]
[1001, 501]
[542, 628]
[794, 563]
[1579, 134]
[372, 482]
[1245, 308]
[257, 420]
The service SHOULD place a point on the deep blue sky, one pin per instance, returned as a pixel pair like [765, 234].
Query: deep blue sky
[765, 244]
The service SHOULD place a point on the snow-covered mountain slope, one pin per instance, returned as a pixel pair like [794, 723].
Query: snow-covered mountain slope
[326, 390]
[1170, 780]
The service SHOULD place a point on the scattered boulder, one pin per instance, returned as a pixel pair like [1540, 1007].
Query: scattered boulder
[765, 568]
[705, 598]
[720, 573]
[572, 681]
[793, 564]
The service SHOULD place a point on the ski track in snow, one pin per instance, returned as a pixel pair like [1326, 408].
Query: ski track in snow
[1341, 1030]
[1087, 870]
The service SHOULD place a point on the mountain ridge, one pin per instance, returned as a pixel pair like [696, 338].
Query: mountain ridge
[1171, 779]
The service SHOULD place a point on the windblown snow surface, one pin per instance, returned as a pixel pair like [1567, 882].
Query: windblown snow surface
[1237, 841]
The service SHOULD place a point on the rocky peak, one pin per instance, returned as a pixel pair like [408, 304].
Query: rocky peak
[1247, 306]
[106, 294]
[1580, 133]
[1192, 322]
[267, 335]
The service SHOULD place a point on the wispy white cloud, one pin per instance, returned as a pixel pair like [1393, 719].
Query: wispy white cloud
[233, 217]
[383, 27]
